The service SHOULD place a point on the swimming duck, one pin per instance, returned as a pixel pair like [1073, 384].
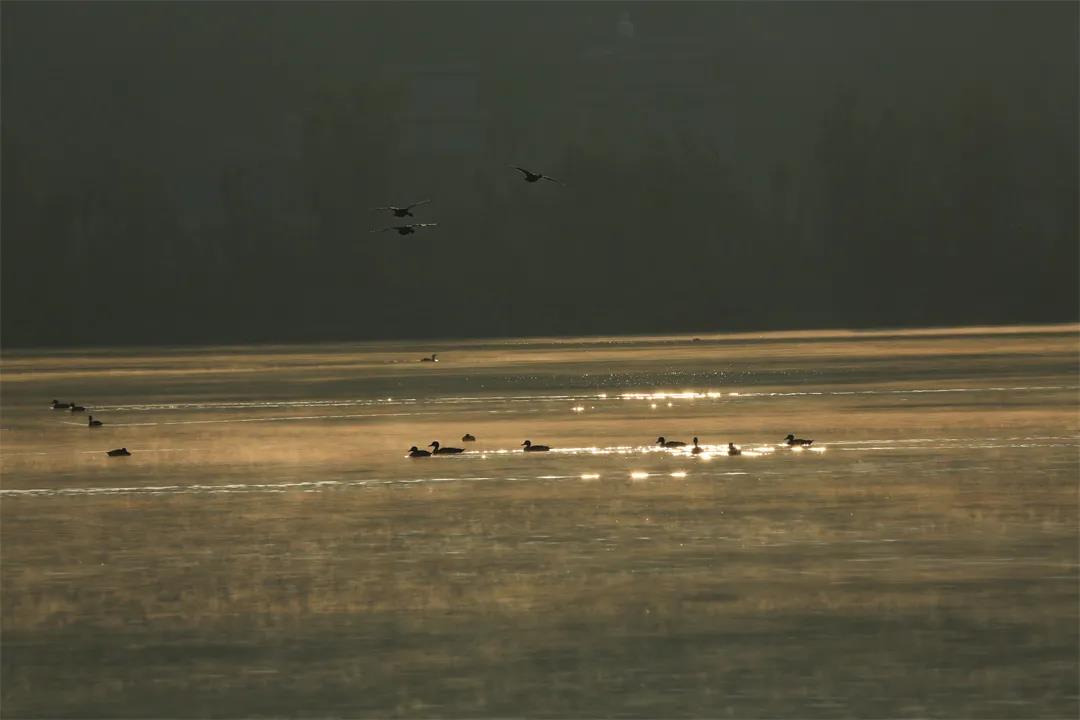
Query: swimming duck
[91, 422]
[403, 211]
[406, 229]
[57, 405]
[468, 438]
[792, 441]
[444, 451]
[669, 443]
[76, 408]
[531, 177]
[529, 447]
[122, 452]
[417, 452]
[434, 358]
[697, 448]
[732, 450]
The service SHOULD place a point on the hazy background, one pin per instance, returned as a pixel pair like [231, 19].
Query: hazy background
[196, 172]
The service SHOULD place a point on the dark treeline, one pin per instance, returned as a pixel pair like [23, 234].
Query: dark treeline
[189, 172]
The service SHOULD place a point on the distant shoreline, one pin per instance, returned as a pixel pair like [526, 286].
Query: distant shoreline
[411, 345]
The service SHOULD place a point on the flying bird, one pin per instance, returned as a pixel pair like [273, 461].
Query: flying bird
[406, 229]
[532, 177]
[405, 211]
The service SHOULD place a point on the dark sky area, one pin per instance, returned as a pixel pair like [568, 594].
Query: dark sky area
[205, 172]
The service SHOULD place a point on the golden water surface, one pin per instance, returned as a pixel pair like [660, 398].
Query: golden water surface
[268, 549]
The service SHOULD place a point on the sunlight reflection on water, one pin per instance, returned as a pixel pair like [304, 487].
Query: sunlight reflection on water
[267, 525]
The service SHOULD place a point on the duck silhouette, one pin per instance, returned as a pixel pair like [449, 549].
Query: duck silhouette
[122, 452]
[405, 211]
[434, 358]
[406, 229]
[91, 422]
[529, 447]
[669, 443]
[531, 177]
[417, 452]
[468, 438]
[697, 448]
[57, 405]
[732, 450]
[792, 441]
[76, 408]
[444, 450]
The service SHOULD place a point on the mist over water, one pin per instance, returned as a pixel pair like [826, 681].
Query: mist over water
[269, 549]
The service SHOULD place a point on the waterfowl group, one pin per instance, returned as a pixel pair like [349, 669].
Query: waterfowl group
[90, 423]
[414, 451]
[697, 449]
[437, 449]
[528, 446]
[405, 211]
[732, 449]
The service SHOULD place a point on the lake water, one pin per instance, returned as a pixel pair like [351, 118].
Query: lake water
[268, 549]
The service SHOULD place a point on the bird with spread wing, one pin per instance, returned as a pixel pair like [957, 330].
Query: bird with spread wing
[531, 177]
[405, 211]
[406, 229]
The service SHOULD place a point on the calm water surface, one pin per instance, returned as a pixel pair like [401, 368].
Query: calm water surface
[268, 549]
